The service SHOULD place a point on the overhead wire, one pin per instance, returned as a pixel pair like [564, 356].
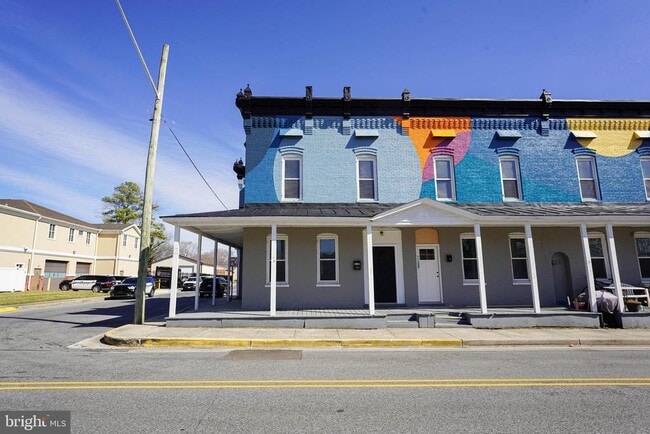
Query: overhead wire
[192, 161]
[155, 89]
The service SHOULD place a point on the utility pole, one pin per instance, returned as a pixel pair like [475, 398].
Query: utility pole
[145, 233]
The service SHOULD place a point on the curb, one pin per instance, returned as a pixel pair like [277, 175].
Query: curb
[112, 339]
[8, 309]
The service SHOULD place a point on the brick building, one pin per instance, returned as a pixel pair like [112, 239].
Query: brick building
[352, 203]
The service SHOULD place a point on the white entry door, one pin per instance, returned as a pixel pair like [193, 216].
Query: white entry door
[428, 264]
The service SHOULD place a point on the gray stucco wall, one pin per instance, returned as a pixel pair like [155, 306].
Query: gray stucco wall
[303, 292]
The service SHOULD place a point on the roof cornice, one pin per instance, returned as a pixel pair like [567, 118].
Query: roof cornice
[251, 106]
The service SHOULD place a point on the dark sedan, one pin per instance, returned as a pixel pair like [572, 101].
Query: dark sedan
[128, 286]
[205, 288]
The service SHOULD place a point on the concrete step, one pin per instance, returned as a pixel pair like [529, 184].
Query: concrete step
[401, 324]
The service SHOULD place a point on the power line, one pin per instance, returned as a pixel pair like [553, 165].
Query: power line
[137, 48]
[192, 161]
[155, 89]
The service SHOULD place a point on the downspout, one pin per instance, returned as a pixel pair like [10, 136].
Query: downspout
[96, 250]
[30, 267]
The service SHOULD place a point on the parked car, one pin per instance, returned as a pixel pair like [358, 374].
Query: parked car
[65, 285]
[128, 286]
[205, 288]
[93, 282]
[190, 283]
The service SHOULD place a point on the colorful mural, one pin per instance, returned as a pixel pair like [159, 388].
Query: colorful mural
[451, 135]
[546, 151]
[608, 137]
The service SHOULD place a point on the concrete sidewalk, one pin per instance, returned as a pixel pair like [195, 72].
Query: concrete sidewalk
[157, 335]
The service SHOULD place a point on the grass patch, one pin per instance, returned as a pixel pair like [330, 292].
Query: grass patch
[18, 298]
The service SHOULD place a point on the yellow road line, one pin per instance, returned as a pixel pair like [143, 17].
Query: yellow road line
[316, 383]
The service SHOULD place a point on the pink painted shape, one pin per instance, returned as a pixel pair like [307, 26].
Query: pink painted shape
[458, 146]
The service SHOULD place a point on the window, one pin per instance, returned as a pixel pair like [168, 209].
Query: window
[291, 178]
[598, 253]
[510, 180]
[645, 170]
[282, 263]
[124, 238]
[88, 238]
[366, 178]
[469, 259]
[519, 259]
[642, 241]
[588, 178]
[444, 173]
[135, 242]
[328, 269]
[71, 235]
[51, 231]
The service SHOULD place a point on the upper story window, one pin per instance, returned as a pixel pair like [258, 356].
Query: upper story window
[292, 178]
[588, 178]
[328, 270]
[51, 231]
[366, 178]
[124, 238]
[642, 241]
[510, 178]
[88, 238]
[645, 170]
[282, 260]
[444, 173]
[598, 252]
[519, 259]
[71, 235]
[469, 259]
[135, 242]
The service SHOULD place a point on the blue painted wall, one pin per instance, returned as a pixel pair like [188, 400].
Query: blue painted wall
[547, 162]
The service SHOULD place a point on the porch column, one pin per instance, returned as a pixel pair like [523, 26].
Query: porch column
[532, 267]
[481, 269]
[198, 272]
[214, 273]
[274, 271]
[591, 285]
[229, 272]
[614, 262]
[370, 270]
[173, 283]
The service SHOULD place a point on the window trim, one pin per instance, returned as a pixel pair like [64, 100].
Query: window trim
[644, 280]
[88, 238]
[605, 257]
[292, 157]
[267, 266]
[124, 240]
[451, 179]
[592, 162]
[71, 235]
[336, 281]
[646, 176]
[51, 232]
[517, 179]
[373, 159]
[518, 236]
[468, 236]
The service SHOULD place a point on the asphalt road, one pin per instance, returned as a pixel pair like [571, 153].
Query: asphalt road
[112, 390]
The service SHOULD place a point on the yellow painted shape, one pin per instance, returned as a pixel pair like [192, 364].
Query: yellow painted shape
[426, 236]
[613, 139]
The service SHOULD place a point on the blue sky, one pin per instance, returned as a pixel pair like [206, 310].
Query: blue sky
[75, 103]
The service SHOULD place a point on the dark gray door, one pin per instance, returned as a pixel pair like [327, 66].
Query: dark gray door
[562, 278]
[384, 274]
